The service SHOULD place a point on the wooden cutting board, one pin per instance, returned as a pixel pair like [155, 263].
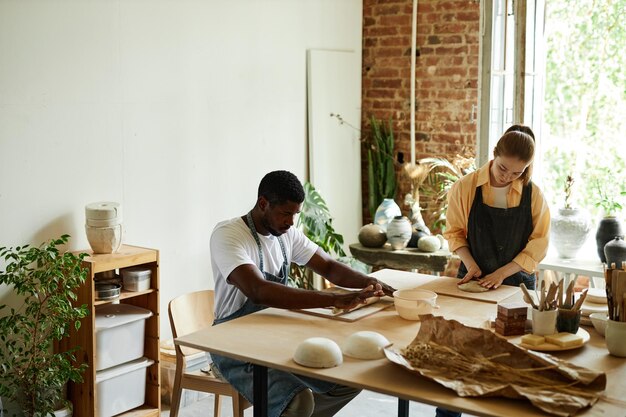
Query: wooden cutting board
[350, 316]
[448, 286]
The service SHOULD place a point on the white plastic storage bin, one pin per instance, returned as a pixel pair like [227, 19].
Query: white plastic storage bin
[136, 279]
[120, 332]
[122, 387]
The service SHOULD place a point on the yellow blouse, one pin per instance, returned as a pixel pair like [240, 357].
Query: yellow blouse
[461, 198]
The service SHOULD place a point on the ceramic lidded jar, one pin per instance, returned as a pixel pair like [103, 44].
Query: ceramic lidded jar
[399, 232]
[569, 230]
[372, 236]
[385, 213]
[615, 251]
[103, 226]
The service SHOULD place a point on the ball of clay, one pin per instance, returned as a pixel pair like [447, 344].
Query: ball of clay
[429, 244]
[372, 236]
[318, 352]
[365, 345]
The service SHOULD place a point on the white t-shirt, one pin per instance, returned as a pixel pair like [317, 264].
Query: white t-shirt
[232, 245]
[499, 196]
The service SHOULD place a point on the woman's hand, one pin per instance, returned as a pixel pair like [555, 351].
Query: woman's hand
[493, 280]
[473, 271]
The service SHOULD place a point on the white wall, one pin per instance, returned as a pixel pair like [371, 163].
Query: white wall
[175, 109]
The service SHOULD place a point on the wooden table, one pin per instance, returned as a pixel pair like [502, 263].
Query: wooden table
[408, 258]
[269, 339]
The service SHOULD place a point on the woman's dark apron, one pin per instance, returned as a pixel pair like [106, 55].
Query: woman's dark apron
[281, 386]
[496, 236]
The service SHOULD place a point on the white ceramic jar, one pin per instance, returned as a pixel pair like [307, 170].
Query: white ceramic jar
[386, 212]
[615, 336]
[399, 232]
[544, 322]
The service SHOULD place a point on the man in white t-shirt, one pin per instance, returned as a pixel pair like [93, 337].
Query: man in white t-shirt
[250, 256]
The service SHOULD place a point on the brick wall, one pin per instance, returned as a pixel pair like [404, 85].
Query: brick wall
[446, 77]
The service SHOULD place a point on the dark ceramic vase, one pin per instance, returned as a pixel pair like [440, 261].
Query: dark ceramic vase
[615, 251]
[608, 228]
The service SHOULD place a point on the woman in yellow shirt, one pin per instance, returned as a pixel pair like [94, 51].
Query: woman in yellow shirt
[498, 221]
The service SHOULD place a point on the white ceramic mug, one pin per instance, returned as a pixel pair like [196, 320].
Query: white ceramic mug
[544, 322]
[615, 336]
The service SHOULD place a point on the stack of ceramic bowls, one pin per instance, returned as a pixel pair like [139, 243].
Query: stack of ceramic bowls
[104, 226]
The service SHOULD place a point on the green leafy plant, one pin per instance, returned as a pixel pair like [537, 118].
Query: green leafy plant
[381, 174]
[32, 372]
[317, 224]
[609, 203]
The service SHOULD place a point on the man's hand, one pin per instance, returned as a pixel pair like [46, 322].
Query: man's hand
[353, 299]
[381, 288]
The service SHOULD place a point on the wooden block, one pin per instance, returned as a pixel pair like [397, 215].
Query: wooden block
[506, 329]
[516, 311]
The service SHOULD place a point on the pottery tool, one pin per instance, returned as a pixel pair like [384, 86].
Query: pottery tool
[569, 295]
[542, 297]
[527, 297]
[560, 294]
[580, 301]
[550, 298]
[608, 280]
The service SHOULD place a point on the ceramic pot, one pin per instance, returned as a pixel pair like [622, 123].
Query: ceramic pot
[608, 228]
[399, 232]
[416, 235]
[385, 213]
[616, 338]
[544, 322]
[569, 230]
[568, 320]
[615, 251]
[104, 239]
[372, 236]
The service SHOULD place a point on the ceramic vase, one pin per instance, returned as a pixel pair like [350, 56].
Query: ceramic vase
[608, 228]
[569, 230]
[616, 338]
[372, 236]
[385, 213]
[399, 232]
[615, 251]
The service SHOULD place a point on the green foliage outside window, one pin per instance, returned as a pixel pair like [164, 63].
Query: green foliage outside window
[585, 102]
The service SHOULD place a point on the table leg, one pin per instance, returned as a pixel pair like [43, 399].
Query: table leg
[403, 408]
[260, 390]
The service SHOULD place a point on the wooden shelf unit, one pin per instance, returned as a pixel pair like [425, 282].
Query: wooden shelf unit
[84, 396]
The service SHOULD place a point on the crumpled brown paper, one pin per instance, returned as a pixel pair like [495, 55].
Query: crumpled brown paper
[574, 387]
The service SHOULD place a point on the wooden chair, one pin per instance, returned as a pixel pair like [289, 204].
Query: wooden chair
[189, 313]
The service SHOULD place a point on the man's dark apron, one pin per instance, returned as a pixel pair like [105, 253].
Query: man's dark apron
[282, 386]
[496, 236]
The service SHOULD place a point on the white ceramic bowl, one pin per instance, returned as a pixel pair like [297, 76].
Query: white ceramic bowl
[411, 303]
[365, 345]
[599, 322]
[318, 352]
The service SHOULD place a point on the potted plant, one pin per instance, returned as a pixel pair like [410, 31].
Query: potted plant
[317, 224]
[570, 226]
[610, 226]
[34, 367]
